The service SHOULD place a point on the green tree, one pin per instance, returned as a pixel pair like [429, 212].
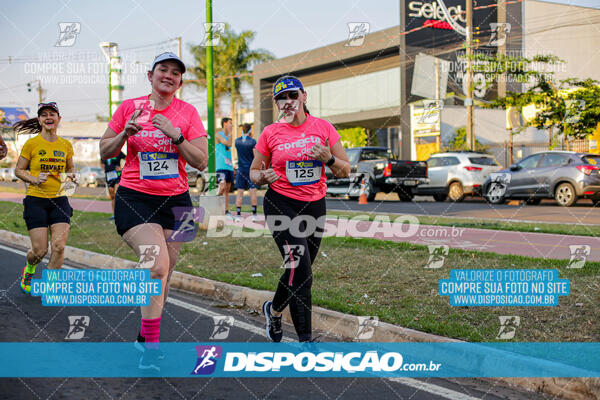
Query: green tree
[233, 60]
[353, 137]
[459, 142]
[571, 106]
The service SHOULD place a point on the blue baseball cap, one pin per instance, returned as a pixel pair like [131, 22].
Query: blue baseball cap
[287, 84]
[168, 56]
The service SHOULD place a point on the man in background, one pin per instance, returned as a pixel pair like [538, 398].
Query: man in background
[112, 170]
[224, 163]
[245, 151]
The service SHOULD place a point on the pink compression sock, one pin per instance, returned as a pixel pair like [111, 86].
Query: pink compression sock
[151, 331]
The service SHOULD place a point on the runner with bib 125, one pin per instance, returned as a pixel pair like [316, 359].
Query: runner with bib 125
[297, 147]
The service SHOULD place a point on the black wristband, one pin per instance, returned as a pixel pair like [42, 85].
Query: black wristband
[179, 140]
[331, 161]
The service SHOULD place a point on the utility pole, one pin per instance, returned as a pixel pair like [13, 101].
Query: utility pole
[469, 80]
[210, 100]
[438, 138]
[40, 91]
[179, 92]
[405, 151]
[502, 48]
[115, 89]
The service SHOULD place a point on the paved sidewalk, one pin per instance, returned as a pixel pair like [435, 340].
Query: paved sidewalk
[540, 245]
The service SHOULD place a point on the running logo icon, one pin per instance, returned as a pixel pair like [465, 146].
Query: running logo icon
[574, 109]
[366, 327]
[437, 255]
[77, 326]
[293, 253]
[223, 324]
[508, 327]
[148, 254]
[357, 32]
[431, 111]
[212, 180]
[500, 33]
[207, 359]
[217, 28]
[579, 254]
[185, 228]
[68, 33]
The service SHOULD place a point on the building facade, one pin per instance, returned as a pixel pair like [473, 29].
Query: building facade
[367, 80]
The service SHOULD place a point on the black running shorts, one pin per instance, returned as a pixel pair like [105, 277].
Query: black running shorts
[40, 212]
[134, 208]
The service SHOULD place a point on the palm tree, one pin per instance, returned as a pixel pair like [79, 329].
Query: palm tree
[232, 64]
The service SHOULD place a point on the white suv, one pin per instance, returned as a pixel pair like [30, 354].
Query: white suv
[456, 174]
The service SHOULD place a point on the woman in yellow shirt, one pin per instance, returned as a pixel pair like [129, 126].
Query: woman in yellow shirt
[45, 164]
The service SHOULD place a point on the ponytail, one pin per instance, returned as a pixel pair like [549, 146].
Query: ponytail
[305, 108]
[28, 126]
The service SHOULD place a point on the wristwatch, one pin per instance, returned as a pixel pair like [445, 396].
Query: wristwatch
[179, 140]
[331, 161]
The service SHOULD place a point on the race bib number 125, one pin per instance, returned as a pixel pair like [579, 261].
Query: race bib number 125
[303, 172]
[157, 165]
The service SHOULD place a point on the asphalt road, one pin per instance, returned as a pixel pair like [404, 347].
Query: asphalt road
[188, 319]
[472, 207]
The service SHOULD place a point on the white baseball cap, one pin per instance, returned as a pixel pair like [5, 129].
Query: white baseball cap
[168, 56]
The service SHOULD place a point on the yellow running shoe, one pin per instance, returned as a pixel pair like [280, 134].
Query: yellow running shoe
[26, 281]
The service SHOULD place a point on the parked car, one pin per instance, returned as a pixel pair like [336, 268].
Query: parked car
[8, 175]
[565, 176]
[455, 175]
[197, 179]
[2, 172]
[101, 179]
[89, 176]
[382, 173]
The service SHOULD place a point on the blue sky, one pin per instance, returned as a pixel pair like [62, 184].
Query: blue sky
[30, 30]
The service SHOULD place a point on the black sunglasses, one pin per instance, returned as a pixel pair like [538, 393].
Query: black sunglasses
[51, 104]
[292, 95]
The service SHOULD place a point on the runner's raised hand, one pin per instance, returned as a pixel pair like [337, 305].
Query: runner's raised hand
[132, 127]
[268, 175]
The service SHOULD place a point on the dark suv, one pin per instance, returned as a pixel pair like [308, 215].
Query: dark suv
[563, 175]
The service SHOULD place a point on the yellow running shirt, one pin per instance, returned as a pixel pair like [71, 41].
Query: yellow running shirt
[51, 157]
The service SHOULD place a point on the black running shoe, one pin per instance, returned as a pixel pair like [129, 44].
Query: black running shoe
[309, 339]
[150, 359]
[139, 343]
[274, 331]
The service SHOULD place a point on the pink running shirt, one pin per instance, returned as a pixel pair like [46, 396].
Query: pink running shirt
[151, 141]
[283, 143]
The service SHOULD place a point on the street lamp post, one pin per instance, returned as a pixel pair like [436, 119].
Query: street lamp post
[210, 94]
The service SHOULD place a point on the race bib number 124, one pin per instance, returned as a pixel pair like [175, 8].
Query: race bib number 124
[157, 165]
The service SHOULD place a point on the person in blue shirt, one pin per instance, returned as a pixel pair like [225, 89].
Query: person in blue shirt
[112, 171]
[224, 163]
[245, 152]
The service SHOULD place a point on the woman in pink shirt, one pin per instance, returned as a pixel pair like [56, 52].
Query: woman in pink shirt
[162, 134]
[296, 147]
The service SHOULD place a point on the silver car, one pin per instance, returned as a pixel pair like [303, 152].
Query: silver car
[454, 175]
[90, 176]
[8, 175]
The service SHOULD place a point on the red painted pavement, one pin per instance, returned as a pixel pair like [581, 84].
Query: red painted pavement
[540, 245]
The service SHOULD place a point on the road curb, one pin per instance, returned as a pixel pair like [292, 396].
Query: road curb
[342, 325]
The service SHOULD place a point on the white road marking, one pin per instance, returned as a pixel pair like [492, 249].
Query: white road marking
[433, 389]
[414, 383]
[203, 311]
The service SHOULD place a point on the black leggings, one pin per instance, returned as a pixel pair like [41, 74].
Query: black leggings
[297, 227]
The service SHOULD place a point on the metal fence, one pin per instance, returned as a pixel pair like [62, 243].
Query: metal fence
[503, 151]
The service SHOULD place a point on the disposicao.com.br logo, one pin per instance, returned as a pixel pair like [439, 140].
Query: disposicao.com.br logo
[295, 364]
